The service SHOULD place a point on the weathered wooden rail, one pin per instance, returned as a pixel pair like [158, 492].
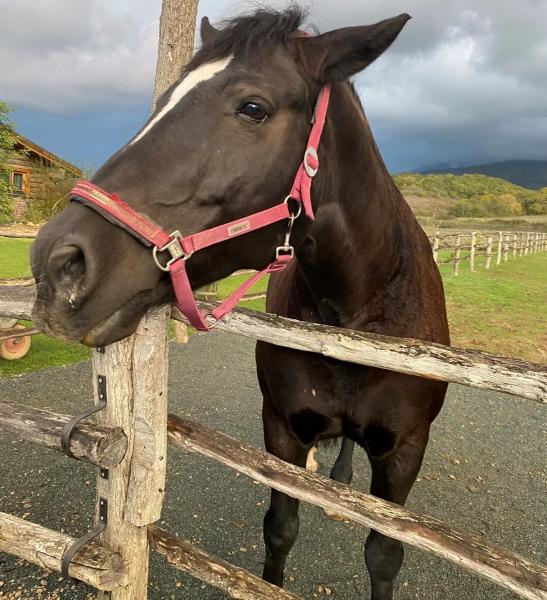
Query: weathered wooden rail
[129, 439]
[95, 564]
[101, 446]
[413, 357]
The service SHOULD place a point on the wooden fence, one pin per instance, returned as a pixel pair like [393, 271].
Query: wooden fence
[480, 248]
[128, 442]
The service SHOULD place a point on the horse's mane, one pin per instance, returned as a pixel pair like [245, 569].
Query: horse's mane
[250, 33]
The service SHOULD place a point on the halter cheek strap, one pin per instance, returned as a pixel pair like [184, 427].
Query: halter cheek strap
[179, 249]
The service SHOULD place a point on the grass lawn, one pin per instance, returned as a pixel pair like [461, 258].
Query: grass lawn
[14, 257]
[503, 310]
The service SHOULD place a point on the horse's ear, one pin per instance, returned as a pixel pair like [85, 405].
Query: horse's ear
[207, 32]
[341, 53]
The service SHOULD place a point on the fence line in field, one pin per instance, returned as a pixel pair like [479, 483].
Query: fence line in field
[498, 246]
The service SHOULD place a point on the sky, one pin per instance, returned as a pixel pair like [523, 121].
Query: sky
[465, 82]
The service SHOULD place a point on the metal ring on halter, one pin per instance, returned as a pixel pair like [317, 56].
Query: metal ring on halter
[291, 216]
[174, 247]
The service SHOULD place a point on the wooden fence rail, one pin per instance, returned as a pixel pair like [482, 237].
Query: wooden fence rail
[94, 564]
[236, 582]
[104, 447]
[413, 357]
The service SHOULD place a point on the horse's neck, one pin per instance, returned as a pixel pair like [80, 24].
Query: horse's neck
[353, 250]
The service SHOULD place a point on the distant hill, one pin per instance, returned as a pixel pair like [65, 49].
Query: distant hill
[471, 194]
[531, 174]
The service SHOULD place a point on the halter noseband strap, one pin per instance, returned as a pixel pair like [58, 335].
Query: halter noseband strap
[180, 248]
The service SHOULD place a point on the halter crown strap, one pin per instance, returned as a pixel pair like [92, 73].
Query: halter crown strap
[180, 249]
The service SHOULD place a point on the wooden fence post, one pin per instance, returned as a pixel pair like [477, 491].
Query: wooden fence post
[505, 247]
[489, 240]
[514, 245]
[527, 244]
[136, 377]
[113, 367]
[436, 247]
[457, 254]
[500, 241]
[472, 250]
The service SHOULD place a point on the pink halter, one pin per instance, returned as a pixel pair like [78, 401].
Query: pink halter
[180, 248]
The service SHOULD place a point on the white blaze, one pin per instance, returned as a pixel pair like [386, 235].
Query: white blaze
[201, 74]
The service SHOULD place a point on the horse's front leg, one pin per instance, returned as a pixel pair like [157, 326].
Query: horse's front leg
[281, 522]
[392, 479]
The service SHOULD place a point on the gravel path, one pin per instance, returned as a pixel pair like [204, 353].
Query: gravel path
[484, 470]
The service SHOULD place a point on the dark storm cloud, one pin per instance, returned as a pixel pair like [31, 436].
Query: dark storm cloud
[465, 81]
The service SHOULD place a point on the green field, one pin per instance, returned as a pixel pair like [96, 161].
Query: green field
[503, 310]
[14, 257]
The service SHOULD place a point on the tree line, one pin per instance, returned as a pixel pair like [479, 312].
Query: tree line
[474, 195]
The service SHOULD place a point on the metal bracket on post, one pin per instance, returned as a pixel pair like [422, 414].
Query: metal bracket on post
[83, 541]
[69, 427]
[103, 502]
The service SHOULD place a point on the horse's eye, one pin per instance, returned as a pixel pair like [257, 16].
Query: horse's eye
[253, 111]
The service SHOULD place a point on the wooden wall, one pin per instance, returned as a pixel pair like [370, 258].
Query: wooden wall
[37, 180]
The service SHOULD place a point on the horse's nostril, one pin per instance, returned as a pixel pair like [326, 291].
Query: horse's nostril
[66, 265]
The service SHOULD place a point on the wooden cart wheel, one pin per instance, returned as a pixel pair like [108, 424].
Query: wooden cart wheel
[15, 347]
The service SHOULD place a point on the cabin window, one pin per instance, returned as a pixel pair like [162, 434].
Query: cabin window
[17, 182]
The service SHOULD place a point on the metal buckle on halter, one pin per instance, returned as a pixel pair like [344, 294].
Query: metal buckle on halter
[174, 247]
[285, 251]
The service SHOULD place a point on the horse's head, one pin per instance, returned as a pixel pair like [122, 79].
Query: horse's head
[225, 141]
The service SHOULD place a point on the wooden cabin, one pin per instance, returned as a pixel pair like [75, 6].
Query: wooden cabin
[32, 171]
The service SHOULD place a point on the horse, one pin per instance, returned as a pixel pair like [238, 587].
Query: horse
[224, 141]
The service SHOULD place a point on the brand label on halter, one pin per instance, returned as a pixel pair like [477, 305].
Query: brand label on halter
[239, 228]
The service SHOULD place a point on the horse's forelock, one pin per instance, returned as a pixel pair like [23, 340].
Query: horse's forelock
[254, 32]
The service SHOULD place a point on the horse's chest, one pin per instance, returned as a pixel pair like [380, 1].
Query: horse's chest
[349, 381]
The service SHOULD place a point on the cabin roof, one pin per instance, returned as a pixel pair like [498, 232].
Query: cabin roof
[47, 155]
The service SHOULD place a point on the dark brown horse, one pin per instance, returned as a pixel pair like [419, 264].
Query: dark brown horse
[226, 140]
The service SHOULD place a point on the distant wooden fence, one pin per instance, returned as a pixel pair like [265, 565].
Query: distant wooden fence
[470, 246]
[128, 444]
